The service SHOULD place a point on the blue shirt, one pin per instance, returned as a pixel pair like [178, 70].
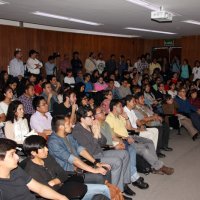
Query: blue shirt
[184, 106]
[62, 153]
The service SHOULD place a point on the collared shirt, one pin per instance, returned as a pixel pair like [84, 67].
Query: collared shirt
[131, 116]
[40, 122]
[117, 124]
[27, 103]
[31, 65]
[16, 67]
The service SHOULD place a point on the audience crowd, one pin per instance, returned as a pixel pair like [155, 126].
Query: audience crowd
[74, 127]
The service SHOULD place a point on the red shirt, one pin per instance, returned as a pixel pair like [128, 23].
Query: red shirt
[38, 89]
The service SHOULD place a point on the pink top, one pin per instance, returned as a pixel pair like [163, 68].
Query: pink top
[99, 87]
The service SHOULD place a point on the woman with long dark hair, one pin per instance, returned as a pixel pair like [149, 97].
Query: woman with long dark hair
[16, 126]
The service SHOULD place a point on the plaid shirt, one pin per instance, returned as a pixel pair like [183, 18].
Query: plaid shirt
[27, 103]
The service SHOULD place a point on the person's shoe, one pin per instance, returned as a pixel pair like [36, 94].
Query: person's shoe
[127, 198]
[140, 183]
[167, 149]
[128, 191]
[195, 137]
[161, 155]
[167, 170]
[159, 172]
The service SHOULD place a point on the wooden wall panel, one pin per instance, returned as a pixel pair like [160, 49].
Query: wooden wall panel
[47, 42]
[191, 48]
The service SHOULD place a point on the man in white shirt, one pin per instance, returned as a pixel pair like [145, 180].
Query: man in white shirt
[33, 64]
[16, 67]
[150, 133]
[196, 70]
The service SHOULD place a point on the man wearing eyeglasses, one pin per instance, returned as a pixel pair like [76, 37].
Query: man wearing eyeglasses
[187, 109]
[87, 133]
[16, 67]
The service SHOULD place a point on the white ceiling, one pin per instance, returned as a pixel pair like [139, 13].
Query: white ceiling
[115, 15]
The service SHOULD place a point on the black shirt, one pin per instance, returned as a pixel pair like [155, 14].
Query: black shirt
[46, 173]
[15, 188]
[61, 109]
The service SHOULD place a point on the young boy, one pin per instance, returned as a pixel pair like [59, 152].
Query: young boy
[14, 182]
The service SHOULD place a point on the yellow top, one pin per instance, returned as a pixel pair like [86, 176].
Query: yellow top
[117, 124]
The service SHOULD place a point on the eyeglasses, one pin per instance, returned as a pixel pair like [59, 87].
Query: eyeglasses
[17, 49]
[91, 116]
[100, 113]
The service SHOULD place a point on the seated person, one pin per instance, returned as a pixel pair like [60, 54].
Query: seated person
[100, 84]
[150, 119]
[16, 126]
[68, 106]
[88, 84]
[105, 105]
[69, 79]
[187, 109]
[66, 151]
[150, 133]
[43, 168]
[27, 99]
[41, 120]
[170, 108]
[55, 85]
[49, 95]
[194, 99]
[12, 176]
[124, 89]
[119, 123]
[87, 133]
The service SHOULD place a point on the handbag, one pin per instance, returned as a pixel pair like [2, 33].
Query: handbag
[115, 192]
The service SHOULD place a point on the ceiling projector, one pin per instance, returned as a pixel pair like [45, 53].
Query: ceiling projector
[161, 16]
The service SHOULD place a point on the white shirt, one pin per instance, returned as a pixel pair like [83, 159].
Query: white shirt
[16, 67]
[131, 116]
[116, 84]
[31, 65]
[69, 80]
[172, 93]
[17, 131]
[196, 73]
[4, 107]
[100, 64]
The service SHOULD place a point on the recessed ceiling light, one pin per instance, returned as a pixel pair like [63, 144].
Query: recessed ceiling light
[66, 18]
[150, 6]
[192, 22]
[3, 2]
[149, 30]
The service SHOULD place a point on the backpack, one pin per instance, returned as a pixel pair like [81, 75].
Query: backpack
[142, 165]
